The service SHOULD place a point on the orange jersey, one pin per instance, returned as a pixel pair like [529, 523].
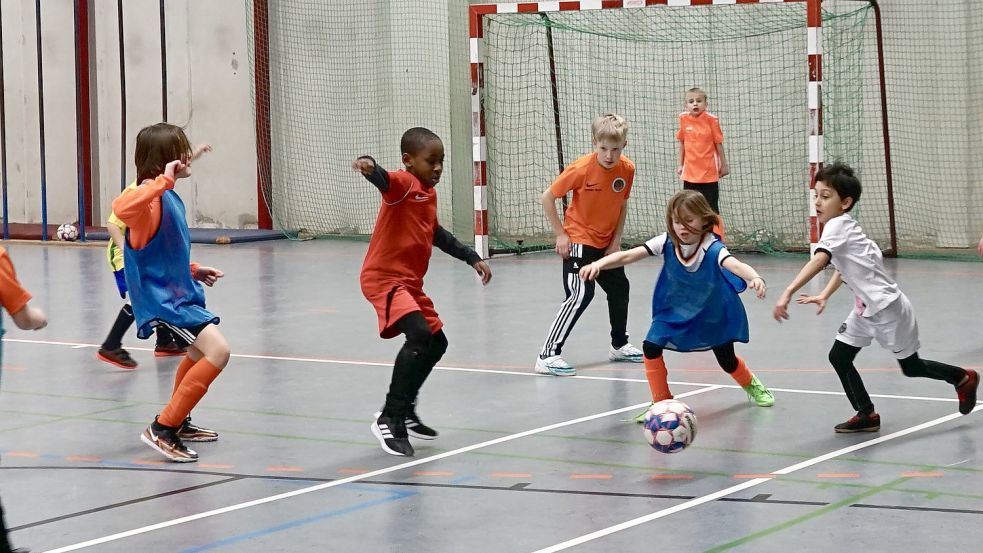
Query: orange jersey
[13, 297]
[599, 195]
[139, 208]
[700, 136]
[401, 244]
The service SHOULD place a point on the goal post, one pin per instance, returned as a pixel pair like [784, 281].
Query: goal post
[794, 82]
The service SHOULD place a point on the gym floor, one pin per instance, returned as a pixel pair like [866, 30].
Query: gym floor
[524, 463]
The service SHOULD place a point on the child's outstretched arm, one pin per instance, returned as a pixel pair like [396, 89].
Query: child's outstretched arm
[745, 271]
[831, 287]
[199, 151]
[449, 244]
[811, 269]
[617, 259]
[372, 172]
[29, 318]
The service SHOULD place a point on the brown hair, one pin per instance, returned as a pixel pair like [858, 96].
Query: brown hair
[158, 145]
[693, 202]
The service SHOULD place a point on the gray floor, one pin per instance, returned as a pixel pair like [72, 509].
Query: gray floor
[524, 463]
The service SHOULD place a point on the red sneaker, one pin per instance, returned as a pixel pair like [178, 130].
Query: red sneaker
[860, 423]
[967, 392]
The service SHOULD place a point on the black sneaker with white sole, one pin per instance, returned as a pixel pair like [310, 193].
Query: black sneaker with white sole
[392, 436]
[415, 427]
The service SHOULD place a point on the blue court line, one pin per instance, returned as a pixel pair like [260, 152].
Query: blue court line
[391, 496]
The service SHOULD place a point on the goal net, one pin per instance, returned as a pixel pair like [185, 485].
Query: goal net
[752, 61]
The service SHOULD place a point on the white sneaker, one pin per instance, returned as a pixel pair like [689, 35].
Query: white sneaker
[554, 365]
[626, 353]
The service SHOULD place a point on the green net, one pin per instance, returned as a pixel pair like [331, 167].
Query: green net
[345, 80]
[750, 58]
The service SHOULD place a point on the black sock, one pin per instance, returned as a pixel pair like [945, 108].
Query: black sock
[122, 324]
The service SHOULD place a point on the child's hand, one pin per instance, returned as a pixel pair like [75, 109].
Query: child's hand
[781, 307]
[201, 149]
[177, 169]
[363, 165]
[818, 300]
[30, 318]
[679, 171]
[484, 271]
[589, 271]
[979, 247]
[724, 170]
[758, 285]
[563, 245]
[208, 275]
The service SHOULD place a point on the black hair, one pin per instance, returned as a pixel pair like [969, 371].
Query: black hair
[839, 176]
[416, 139]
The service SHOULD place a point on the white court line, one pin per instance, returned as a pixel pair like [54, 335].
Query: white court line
[77, 345]
[742, 486]
[356, 478]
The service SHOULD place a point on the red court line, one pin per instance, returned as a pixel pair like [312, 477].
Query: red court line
[28, 454]
[591, 476]
[284, 469]
[352, 471]
[753, 476]
[83, 458]
[216, 466]
[147, 462]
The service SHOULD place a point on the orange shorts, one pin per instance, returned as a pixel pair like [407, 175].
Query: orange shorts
[393, 301]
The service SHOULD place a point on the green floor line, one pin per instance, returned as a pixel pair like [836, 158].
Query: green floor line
[799, 520]
[58, 418]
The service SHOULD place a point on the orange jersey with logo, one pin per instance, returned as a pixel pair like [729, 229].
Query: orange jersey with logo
[402, 242]
[599, 195]
[13, 297]
[700, 136]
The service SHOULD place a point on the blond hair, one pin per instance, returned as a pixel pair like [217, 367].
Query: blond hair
[699, 91]
[609, 126]
[693, 202]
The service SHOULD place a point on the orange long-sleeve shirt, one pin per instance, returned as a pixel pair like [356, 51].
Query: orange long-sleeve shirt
[140, 209]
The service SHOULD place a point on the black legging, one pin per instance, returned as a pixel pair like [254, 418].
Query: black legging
[724, 353]
[841, 355]
[414, 362]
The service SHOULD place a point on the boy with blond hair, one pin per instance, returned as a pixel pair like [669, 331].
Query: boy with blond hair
[702, 162]
[601, 183]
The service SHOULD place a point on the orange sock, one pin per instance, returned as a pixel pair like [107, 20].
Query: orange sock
[742, 375]
[192, 388]
[718, 229]
[658, 377]
[182, 370]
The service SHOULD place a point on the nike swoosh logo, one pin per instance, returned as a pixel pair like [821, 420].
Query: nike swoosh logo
[421, 197]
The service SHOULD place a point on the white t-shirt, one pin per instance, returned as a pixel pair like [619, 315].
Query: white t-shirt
[657, 246]
[860, 263]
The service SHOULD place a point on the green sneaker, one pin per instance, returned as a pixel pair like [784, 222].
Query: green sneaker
[757, 392]
[640, 418]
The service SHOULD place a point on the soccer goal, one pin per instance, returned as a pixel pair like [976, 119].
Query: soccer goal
[794, 83]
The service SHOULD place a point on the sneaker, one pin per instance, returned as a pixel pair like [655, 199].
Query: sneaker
[860, 422]
[169, 350]
[392, 436]
[119, 357]
[415, 427]
[967, 392]
[640, 418]
[190, 432]
[626, 353]
[554, 365]
[166, 441]
[757, 392]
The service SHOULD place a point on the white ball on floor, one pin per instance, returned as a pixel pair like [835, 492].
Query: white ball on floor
[67, 232]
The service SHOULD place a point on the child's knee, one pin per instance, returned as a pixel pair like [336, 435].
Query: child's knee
[651, 350]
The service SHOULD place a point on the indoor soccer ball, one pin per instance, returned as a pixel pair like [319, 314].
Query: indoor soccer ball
[670, 426]
[67, 232]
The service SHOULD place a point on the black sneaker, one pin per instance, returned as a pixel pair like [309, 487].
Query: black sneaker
[860, 422]
[392, 436]
[967, 392]
[165, 440]
[193, 433]
[169, 349]
[416, 428]
[119, 357]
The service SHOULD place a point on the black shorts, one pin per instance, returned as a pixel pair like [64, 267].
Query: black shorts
[710, 191]
[184, 336]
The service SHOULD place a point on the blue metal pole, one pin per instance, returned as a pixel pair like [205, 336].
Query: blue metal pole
[44, 186]
[80, 154]
[3, 143]
[122, 96]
